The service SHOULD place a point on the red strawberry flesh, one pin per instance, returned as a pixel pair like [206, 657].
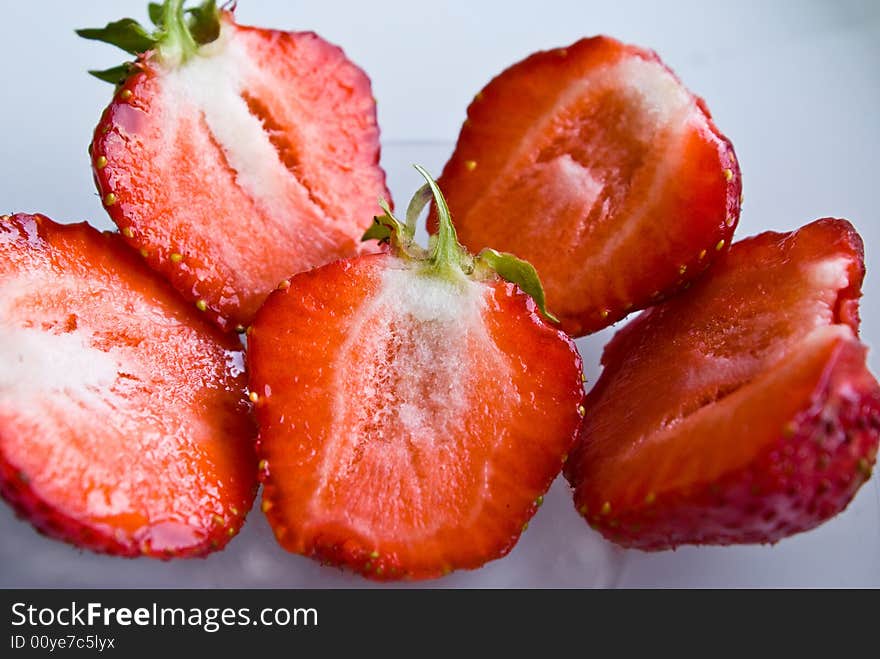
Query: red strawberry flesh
[740, 411]
[597, 166]
[255, 159]
[411, 415]
[123, 422]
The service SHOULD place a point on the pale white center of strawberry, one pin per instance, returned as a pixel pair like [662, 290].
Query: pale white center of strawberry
[831, 273]
[420, 327]
[35, 362]
[406, 381]
[212, 85]
[601, 156]
[660, 97]
[434, 299]
[662, 112]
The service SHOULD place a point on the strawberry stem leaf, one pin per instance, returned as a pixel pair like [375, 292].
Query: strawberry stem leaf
[446, 254]
[115, 75]
[156, 12]
[127, 34]
[388, 229]
[177, 43]
[204, 22]
[378, 231]
[420, 199]
[446, 257]
[519, 272]
[176, 37]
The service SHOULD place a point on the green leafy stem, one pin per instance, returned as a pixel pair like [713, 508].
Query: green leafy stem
[178, 35]
[445, 256]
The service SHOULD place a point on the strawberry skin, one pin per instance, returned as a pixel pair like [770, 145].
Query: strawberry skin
[256, 158]
[597, 166]
[124, 428]
[741, 411]
[410, 422]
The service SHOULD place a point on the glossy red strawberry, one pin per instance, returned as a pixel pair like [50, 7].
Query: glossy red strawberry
[740, 411]
[233, 156]
[413, 406]
[597, 166]
[123, 422]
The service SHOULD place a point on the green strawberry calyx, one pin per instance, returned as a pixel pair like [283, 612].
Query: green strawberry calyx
[178, 35]
[445, 257]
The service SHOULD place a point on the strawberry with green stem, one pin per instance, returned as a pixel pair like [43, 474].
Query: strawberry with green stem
[233, 156]
[413, 405]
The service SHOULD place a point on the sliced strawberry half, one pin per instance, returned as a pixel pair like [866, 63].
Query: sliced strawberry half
[741, 411]
[123, 423]
[413, 406]
[595, 164]
[232, 156]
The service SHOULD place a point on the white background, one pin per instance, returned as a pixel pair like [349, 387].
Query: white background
[795, 85]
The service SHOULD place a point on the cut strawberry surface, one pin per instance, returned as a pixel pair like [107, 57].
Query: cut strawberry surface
[413, 406]
[123, 422]
[234, 163]
[740, 411]
[597, 166]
